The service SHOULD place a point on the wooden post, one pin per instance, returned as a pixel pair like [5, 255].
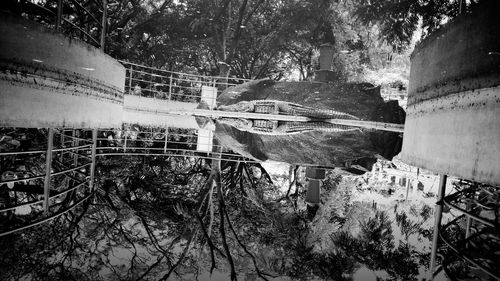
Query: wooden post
[437, 223]
[48, 168]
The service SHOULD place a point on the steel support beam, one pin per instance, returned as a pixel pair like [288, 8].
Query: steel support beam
[438, 213]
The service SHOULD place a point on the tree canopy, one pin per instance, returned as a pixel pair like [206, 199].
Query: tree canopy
[257, 39]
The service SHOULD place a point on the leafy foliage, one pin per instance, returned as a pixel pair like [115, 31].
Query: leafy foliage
[399, 20]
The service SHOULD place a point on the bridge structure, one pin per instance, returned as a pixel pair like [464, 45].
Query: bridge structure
[76, 104]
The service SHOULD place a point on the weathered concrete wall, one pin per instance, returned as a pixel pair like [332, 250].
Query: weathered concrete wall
[453, 115]
[463, 55]
[47, 79]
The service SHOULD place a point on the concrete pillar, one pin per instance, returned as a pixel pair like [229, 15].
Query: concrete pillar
[438, 213]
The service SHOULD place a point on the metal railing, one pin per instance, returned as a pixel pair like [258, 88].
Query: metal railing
[471, 241]
[85, 20]
[170, 85]
[40, 185]
[168, 142]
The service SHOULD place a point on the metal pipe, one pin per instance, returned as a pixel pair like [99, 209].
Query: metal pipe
[229, 158]
[22, 152]
[70, 169]
[469, 209]
[190, 75]
[61, 157]
[48, 167]
[468, 214]
[47, 218]
[103, 23]
[92, 166]
[76, 143]
[59, 14]
[72, 148]
[23, 179]
[125, 144]
[40, 201]
[170, 88]
[438, 213]
[130, 81]
[166, 140]
[75, 2]
[81, 30]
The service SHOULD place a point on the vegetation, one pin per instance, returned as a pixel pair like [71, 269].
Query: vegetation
[181, 218]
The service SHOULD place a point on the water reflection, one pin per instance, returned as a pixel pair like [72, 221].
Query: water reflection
[180, 204]
[173, 217]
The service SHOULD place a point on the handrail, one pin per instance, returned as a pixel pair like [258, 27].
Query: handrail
[51, 217]
[39, 7]
[81, 11]
[88, 12]
[21, 152]
[23, 179]
[70, 169]
[180, 73]
[178, 155]
[81, 30]
[60, 132]
[168, 150]
[209, 79]
[41, 200]
[466, 213]
[462, 254]
[80, 155]
[72, 148]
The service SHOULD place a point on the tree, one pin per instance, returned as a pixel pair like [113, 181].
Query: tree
[374, 247]
[398, 20]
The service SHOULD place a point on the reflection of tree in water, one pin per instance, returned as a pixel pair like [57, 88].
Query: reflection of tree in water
[175, 218]
[154, 219]
[375, 248]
